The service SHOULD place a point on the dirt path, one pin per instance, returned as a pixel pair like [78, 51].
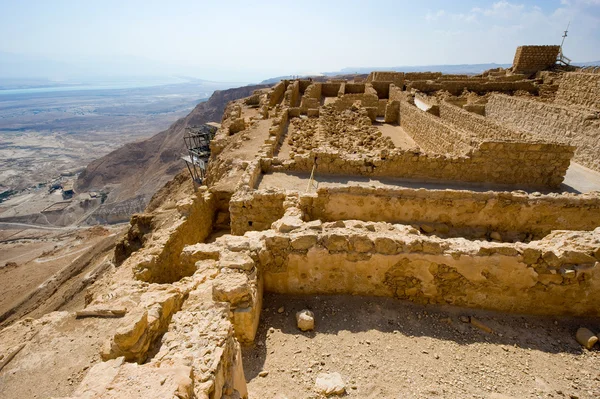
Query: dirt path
[386, 348]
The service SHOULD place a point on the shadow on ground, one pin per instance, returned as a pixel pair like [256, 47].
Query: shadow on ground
[354, 314]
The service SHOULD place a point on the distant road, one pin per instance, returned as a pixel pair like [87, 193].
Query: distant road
[8, 226]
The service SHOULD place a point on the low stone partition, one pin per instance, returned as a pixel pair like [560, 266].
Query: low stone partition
[511, 215]
[432, 134]
[194, 223]
[255, 210]
[480, 86]
[558, 275]
[507, 216]
[481, 127]
[580, 127]
[518, 164]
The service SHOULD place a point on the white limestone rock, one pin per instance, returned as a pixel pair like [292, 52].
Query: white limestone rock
[330, 384]
[306, 320]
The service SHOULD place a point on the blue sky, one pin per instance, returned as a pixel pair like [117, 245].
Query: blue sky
[250, 40]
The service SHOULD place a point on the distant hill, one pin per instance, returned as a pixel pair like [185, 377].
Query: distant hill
[469, 69]
[134, 172]
[590, 63]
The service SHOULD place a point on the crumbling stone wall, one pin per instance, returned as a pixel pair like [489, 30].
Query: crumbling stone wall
[480, 127]
[432, 134]
[557, 275]
[255, 210]
[476, 85]
[193, 224]
[551, 121]
[511, 215]
[514, 215]
[531, 59]
[519, 164]
[579, 89]
[276, 93]
[397, 78]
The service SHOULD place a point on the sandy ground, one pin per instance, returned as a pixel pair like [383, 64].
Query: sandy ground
[57, 358]
[37, 258]
[386, 348]
[399, 137]
[579, 179]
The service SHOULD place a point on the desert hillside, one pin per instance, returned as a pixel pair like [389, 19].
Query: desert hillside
[135, 171]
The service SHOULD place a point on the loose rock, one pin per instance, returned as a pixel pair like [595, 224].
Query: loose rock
[586, 338]
[330, 384]
[306, 320]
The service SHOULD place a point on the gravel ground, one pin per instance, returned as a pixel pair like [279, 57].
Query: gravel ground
[386, 348]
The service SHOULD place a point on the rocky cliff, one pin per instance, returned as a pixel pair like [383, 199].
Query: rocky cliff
[134, 172]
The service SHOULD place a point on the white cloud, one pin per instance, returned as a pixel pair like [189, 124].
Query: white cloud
[502, 9]
[502, 26]
[430, 17]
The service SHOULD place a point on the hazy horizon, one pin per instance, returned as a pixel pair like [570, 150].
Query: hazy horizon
[241, 42]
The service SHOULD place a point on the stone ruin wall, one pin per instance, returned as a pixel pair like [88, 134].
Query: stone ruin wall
[427, 270]
[366, 258]
[195, 226]
[542, 169]
[531, 59]
[480, 127]
[514, 215]
[432, 134]
[523, 163]
[551, 121]
[580, 89]
[276, 93]
[475, 85]
[538, 163]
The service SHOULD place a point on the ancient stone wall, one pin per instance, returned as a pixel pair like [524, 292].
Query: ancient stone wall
[422, 75]
[581, 89]
[480, 86]
[557, 275]
[531, 59]
[255, 210]
[396, 78]
[551, 121]
[431, 133]
[479, 126]
[515, 215]
[276, 93]
[194, 224]
[330, 89]
[512, 215]
[382, 89]
[292, 94]
[522, 165]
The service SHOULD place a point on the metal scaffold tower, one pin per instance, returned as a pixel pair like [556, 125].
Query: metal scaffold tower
[197, 140]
